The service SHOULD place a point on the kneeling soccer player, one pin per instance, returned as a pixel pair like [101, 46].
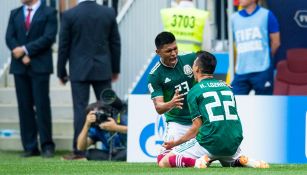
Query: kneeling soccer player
[216, 132]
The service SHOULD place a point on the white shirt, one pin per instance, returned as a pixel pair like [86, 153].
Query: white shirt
[34, 8]
[186, 4]
[79, 1]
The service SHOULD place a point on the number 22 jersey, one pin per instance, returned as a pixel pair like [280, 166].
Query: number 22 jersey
[221, 130]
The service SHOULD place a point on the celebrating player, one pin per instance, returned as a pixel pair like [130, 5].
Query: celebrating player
[169, 82]
[216, 132]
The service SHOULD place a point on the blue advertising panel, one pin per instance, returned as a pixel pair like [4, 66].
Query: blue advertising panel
[274, 128]
[296, 129]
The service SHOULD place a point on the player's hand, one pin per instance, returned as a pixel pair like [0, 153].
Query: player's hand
[18, 52]
[177, 100]
[169, 144]
[109, 125]
[90, 118]
[26, 60]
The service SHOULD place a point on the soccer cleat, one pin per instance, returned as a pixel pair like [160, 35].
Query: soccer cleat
[202, 162]
[246, 162]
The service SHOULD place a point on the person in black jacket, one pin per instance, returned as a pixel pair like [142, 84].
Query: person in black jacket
[90, 41]
[30, 34]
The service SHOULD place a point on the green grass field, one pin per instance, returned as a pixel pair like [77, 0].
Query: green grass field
[11, 163]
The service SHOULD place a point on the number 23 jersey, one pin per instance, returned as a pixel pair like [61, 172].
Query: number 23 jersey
[163, 81]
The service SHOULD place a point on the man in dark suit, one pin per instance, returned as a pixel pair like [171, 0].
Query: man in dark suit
[90, 41]
[114, 4]
[30, 34]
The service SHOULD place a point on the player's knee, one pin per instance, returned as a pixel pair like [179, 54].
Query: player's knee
[159, 158]
[163, 163]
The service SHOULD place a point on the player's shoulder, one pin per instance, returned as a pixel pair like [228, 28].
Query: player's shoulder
[209, 84]
[215, 83]
[155, 69]
[193, 91]
[196, 87]
[187, 55]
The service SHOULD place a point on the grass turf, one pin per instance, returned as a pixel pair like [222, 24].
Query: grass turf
[11, 163]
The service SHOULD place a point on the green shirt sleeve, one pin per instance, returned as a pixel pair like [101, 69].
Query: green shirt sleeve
[154, 86]
[192, 103]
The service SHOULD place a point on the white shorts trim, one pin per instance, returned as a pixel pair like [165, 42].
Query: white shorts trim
[194, 150]
[175, 130]
[190, 149]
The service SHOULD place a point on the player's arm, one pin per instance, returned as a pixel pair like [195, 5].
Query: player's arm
[197, 122]
[155, 89]
[162, 107]
[191, 133]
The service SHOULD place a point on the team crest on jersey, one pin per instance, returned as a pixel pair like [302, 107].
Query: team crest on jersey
[188, 70]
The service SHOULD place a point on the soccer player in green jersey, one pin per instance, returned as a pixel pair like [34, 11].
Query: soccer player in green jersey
[216, 132]
[169, 81]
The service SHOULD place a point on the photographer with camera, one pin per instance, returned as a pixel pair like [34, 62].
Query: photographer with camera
[107, 125]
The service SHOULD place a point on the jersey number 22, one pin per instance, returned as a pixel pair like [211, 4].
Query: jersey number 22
[217, 103]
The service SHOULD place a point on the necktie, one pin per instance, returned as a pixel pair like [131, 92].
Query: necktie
[28, 19]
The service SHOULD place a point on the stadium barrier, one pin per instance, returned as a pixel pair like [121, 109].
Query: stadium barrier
[274, 128]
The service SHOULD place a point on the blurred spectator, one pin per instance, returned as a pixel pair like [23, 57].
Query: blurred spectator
[90, 41]
[189, 25]
[236, 4]
[66, 4]
[256, 34]
[30, 34]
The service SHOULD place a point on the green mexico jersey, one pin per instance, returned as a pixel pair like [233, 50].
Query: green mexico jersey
[221, 131]
[163, 81]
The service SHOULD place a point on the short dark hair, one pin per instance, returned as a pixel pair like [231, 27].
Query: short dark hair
[97, 106]
[206, 61]
[164, 38]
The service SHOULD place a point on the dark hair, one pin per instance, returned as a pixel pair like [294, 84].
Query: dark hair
[164, 38]
[206, 61]
[97, 106]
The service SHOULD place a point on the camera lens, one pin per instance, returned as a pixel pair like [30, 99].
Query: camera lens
[108, 96]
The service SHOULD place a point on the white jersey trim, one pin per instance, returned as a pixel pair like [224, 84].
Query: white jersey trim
[155, 68]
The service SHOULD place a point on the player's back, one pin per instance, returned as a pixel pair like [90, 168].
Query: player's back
[221, 131]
